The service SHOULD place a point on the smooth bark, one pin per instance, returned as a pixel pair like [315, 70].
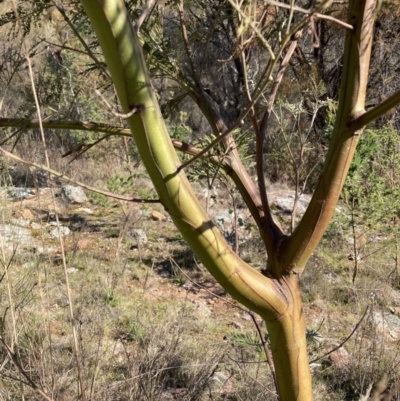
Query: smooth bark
[274, 294]
[276, 301]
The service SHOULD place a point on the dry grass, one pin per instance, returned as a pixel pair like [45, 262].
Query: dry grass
[142, 330]
[141, 336]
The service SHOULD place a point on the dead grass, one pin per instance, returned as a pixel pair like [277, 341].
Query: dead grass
[147, 331]
[141, 336]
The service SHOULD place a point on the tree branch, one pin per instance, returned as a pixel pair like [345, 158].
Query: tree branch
[81, 184]
[146, 11]
[376, 112]
[345, 340]
[186, 41]
[83, 42]
[310, 13]
[98, 127]
[262, 136]
[271, 231]
[297, 248]
[65, 124]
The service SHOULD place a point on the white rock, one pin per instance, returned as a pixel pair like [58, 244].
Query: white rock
[74, 194]
[36, 226]
[387, 323]
[203, 310]
[84, 210]
[285, 203]
[19, 194]
[137, 236]
[63, 232]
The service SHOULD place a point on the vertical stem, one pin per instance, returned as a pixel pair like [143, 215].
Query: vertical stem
[296, 198]
[128, 156]
[288, 346]
[265, 348]
[125, 141]
[139, 247]
[235, 224]
[298, 248]
[396, 244]
[355, 250]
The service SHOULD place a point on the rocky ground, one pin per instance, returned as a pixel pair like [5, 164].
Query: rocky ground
[162, 268]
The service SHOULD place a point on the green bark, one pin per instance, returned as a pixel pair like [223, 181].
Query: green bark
[265, 296]
[275, 296]
[123, 54]
[299, 247]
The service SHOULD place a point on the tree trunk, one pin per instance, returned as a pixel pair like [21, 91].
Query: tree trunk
[288, 345]
[275, 295]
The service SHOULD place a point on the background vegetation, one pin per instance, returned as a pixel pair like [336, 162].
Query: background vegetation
[148, 322]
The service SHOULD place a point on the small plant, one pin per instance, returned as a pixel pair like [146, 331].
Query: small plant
[98, 199]
[133, 330]
[179, 277]
[110, 298]
[313, 337]
[371, 196]
[250, 340]
[177, 236]
[179, 129]
[120, 184]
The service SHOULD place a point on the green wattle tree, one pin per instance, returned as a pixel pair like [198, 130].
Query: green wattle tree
[274, 293]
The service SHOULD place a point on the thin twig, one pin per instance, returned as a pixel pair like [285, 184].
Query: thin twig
[125, 141]
[265, 348]
[186, 40]
[81, 184]
[270, 224]
[224, 299]
[84, 148]
[345, 340]
[253, 378]
[253, 26]
[65, 47]
[19, 130]
[81, 40]
[135, 109]
[146, 12]
[259, 90]
[65, 124]
[21, 370]
[311, 13]
[99, 127]
[261, 137]
[355, 243]
[290, 17]
[247, 362]
[85, 126]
